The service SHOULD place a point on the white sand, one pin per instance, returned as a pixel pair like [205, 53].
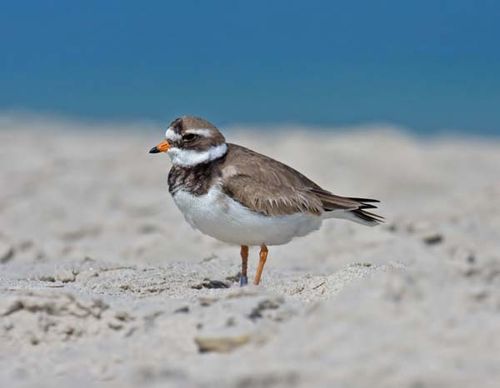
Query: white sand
[97, 267]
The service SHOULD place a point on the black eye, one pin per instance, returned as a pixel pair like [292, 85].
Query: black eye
[189, 137]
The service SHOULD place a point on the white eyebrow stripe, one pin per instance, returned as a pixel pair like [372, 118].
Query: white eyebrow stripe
[199, 131]
[171, 135]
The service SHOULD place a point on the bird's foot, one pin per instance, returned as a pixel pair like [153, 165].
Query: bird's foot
[243, 281]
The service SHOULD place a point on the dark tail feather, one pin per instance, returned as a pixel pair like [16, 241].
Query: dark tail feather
[363, 216]
[366, 200]
[360, 215]
[351, 208]
[367, 218]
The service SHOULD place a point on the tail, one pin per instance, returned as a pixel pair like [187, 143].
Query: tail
[360, 215]
[350, 208]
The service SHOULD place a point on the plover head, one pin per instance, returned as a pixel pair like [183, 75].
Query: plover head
[192, 140]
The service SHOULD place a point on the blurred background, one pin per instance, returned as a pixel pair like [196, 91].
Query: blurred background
[103, 282]
[428, 66]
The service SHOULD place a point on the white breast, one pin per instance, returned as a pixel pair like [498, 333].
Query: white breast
[219, 216]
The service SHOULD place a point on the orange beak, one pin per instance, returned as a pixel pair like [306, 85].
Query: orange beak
[162, 147]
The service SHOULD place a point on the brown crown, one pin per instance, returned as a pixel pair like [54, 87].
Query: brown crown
[184, 123]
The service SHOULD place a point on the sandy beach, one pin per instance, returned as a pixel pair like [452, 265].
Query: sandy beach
[103, 282]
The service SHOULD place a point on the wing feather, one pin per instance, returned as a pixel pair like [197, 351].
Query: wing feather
[270, 199]
[272, 188]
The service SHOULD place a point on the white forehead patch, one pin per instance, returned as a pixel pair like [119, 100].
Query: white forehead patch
[189, 158]
[171, 135]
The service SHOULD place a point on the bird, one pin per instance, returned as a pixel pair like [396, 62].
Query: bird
[244, 198]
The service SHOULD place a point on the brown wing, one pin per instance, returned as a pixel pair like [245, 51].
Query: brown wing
[272, 188]
[332, 202]
[270, 199]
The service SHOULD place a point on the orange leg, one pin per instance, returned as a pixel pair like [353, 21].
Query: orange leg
[244, 265]
[262, 261]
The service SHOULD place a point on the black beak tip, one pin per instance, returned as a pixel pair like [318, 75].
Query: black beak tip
[154, 150]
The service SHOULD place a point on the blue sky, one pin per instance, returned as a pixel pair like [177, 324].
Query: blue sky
[426, 65]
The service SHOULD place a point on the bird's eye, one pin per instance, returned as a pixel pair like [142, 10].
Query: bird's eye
[189, 137]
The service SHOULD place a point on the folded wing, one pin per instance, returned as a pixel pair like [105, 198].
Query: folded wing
[272, 188]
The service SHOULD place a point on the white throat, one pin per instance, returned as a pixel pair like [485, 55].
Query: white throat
[189, 158]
